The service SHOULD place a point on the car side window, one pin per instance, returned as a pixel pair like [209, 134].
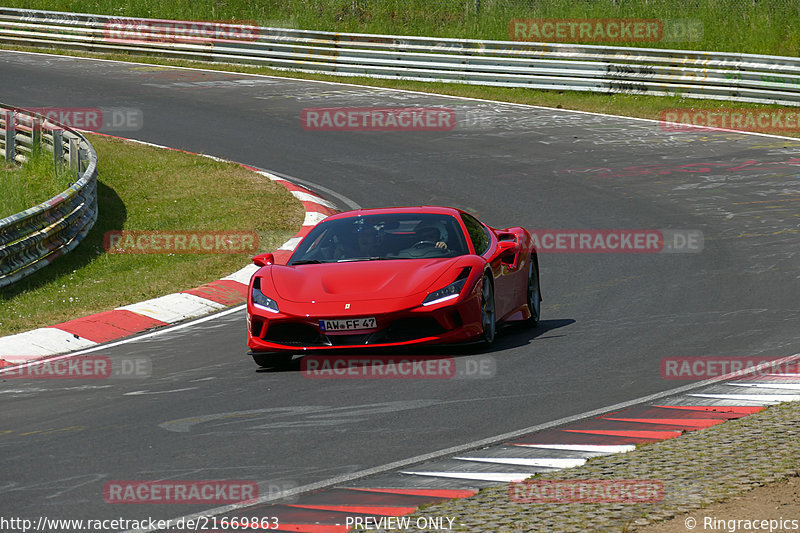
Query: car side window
[477, 233]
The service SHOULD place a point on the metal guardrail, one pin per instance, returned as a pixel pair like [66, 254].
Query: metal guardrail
[555, 66]
[33, 238]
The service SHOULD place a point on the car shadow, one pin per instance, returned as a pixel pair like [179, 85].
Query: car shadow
[509, 336]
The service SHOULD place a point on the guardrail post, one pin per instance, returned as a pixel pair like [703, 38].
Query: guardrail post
[58, 149]
[83, 155]
[73, 155]
[11, 134]
[36, 132]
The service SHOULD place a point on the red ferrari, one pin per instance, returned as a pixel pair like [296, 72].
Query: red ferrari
[392, 277]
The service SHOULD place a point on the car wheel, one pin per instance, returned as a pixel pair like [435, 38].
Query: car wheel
[534, 295]
[488, 311]
[272, 359]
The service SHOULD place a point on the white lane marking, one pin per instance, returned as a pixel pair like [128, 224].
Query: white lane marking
[478, 476]
[525, 461]
[270, 175]
[374, 88]
[42, 389]
[147, 392]
[595, 448]
[40, 342]
[291, 244]
[758, 398]
[329, 193]
[244, 274]
[768, 385]
[174, 307]
[309, 197]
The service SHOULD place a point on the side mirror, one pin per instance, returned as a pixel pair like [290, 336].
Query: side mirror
[263, 259]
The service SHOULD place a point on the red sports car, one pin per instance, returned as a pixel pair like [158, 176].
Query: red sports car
[392, 277]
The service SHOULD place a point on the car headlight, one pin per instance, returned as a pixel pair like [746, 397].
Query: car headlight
[449, 292]
[262, 301]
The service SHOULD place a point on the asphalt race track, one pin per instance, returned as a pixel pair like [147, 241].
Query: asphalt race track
[608, 319]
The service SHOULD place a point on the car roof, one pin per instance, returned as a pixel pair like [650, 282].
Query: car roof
[424, 209]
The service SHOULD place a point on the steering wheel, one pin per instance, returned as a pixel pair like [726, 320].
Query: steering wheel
[420, 244]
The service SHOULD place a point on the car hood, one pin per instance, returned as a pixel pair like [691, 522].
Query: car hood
[358, 280]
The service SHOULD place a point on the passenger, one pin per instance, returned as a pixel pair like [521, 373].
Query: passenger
[369, 243]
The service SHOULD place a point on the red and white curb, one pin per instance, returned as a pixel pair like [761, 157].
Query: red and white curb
[127, 320]
[380, 499]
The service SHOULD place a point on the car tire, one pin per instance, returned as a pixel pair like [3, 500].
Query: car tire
[488, 312]
[272, 360]
[534, 294]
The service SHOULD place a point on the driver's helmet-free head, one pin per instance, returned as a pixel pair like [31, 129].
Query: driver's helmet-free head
[431, 232]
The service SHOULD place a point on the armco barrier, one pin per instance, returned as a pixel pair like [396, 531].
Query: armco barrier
[33, 238]
[556, 66]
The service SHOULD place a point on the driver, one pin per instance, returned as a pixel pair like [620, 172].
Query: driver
[431, 234]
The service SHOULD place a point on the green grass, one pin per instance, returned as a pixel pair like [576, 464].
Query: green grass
[24, 186]
[146, 188]
[763, 26]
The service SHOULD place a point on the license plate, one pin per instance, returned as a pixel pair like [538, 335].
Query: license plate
[349, 324]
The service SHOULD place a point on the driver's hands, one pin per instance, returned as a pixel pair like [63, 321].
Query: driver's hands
[441, 244]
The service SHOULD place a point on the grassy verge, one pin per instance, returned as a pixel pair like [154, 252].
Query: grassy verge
[765, 26]
[641, 106]
[146, 188]
[24, 186]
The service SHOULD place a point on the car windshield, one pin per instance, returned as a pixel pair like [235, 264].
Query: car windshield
[382, 237]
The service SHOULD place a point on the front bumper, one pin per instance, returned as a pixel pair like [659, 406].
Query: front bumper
[297, 331]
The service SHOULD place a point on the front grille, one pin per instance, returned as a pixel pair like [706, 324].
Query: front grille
[348, 340]
[301, 334]
[293, 334]
[408, 329]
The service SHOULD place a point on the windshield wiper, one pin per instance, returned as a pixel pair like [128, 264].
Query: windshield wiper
[374, 258]
[306, 262]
